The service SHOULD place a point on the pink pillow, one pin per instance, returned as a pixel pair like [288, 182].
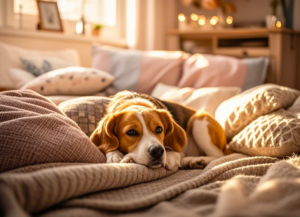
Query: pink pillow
[137, 70]
[203, 70]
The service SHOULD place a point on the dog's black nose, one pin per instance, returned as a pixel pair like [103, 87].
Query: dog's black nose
[156, 151]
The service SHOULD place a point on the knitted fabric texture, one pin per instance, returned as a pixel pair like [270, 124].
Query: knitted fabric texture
[276, 134]
[236, 113]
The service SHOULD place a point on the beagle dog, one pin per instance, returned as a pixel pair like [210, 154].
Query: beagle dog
[140, 129]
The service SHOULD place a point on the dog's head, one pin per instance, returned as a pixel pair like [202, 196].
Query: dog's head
[143, 133]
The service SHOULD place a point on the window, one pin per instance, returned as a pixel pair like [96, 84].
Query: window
[94, 11]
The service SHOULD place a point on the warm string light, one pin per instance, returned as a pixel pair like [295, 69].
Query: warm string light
[201, 20]
[278, 24]
[194, 17]
[229, 20]
[181, 17]
[214, 20]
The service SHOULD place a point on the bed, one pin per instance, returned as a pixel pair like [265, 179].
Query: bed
[49, 167]
[62, 173]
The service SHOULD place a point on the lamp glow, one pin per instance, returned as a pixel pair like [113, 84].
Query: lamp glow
[194, 17]
[181, 17]
[214, 20]
[278, 24]
[202, 20]
[79, 27]
[229, 20]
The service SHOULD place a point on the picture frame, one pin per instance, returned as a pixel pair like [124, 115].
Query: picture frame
[49, 16]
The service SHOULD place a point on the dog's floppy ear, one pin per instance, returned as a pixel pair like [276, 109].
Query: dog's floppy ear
[175, 136]
[103, 137]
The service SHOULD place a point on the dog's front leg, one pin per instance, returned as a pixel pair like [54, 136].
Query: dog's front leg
[127, 159]
[196, 162]
[173, 160]
[114, 157]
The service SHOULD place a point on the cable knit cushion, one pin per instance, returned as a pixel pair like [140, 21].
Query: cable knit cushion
[34, 131]
[276, 134]
[85, 111]
[237, 112]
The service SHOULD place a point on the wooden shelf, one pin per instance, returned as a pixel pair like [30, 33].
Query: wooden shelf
[230, 32]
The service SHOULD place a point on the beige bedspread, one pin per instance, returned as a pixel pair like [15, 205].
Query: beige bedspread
[234, 185]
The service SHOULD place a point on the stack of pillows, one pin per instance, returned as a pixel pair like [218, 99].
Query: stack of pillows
[59, 72]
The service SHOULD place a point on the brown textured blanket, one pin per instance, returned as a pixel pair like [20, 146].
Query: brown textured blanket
[234, 185]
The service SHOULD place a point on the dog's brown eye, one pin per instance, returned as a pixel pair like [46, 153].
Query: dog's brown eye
[132, 133]
[158, 130]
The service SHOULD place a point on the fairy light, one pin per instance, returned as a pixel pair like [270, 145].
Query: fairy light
[194, 17]
[278, 24]
[202, 20]
[214, 20]
[229, 20]
[181, 17]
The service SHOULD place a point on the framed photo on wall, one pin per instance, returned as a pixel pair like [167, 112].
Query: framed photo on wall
[49, 16]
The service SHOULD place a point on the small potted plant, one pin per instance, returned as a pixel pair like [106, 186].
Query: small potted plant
[96, 30]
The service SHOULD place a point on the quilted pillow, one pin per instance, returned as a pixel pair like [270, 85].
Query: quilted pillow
[276, 134]
[85, 111]
[237, 112]
[70, 81]
[34, 131]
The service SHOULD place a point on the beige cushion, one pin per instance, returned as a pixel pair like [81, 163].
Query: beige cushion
[34, 131]
[276, 134]
[206, 99]
[85, 111]
[237, 112]
[70, 81]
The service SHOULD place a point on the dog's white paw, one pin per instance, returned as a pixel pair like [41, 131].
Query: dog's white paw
[173, 160]
[127, 159]
[114, 157]
[195, 162]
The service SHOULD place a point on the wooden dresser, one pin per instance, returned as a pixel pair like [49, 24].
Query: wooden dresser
[282, 46]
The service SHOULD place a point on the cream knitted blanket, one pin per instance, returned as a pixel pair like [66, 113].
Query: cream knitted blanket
[234, 185]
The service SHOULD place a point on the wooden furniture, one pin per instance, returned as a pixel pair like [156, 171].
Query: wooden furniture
[282, 46]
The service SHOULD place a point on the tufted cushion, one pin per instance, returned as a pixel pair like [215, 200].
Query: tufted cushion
[85, 111]
[34, 131]
[276, 134]
[237, 112]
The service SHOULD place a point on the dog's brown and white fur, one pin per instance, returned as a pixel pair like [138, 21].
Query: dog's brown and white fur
[138, 128]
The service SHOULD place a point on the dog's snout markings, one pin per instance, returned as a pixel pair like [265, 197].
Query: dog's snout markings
[156, 151]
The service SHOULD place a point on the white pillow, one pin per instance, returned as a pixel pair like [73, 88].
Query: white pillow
[70, 81]
[207, 99]
[20, 77]
[10, 57]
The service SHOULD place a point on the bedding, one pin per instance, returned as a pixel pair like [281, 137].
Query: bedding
[11, 57]
[234, 185]
[71, 81]
[34, 131]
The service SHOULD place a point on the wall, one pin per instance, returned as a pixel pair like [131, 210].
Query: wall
[1, 13]
[247, 11]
